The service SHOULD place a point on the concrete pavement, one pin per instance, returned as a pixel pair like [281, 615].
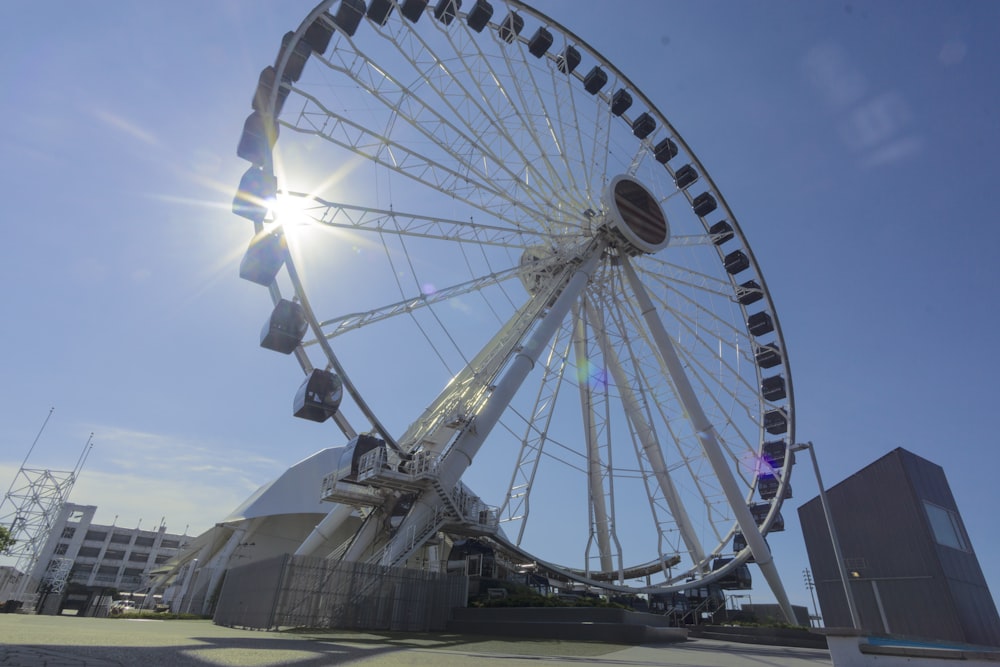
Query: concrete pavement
[67, 641]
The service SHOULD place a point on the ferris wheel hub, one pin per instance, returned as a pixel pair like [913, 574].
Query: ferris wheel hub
[636, 216]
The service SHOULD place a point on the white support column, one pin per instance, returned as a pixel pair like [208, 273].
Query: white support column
[710, 445]
[460, 456]
[324, 530]
[364, 539]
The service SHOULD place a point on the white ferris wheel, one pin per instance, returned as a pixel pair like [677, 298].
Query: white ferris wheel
[519, 295]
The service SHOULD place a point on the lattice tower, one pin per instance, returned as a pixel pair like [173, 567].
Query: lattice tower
[31, 507]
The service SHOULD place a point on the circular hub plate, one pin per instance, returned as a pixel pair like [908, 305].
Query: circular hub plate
[634, 212]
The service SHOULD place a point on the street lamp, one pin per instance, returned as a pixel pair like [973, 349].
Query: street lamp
[841, 568]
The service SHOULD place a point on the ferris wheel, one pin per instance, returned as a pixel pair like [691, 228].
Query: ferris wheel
[519, 295]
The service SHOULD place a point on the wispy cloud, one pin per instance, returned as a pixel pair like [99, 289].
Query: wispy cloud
[876, 126]
[126, 126]
[135, 476]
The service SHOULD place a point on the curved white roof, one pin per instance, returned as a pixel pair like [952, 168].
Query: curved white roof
[296, 491]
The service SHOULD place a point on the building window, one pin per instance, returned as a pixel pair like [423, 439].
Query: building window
[61, 549]
[170, 544]
[946, 526]
[96, 536]
[138, 557]
[114, 555]
[107, 569]
[121, 538]
[68, 533]
[144, 541]
[88, 552]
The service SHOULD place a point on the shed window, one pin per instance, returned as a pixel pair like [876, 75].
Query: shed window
[946, 526]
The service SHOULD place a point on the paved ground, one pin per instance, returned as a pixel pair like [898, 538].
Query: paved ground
[66, 641]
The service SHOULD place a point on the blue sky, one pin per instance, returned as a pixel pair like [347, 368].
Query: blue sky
[855, 141]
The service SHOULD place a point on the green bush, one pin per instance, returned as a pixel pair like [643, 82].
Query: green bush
[159, 615]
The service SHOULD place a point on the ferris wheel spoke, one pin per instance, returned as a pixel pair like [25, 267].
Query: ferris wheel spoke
[596, 433]
[709, 345]
[341, 324]
[649, 364]
[649, 370]
[601, 139]
[703, 427]
[721, 332]
[697, 371]
[568, 128]
[696, 317]
[712, 385]
[502, 101]
[638, 412]
[495, 96]
[494, 199]
[672, 274]
[641, 154]
[497, 100]
[533, 104]
[562, 123]
[686, 240]
[464, 144]
[401, 223]
[517, 503]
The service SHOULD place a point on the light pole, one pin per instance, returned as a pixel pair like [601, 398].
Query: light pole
[841, 568]
[811, 585]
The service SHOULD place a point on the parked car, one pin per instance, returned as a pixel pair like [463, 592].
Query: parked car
[119, 607]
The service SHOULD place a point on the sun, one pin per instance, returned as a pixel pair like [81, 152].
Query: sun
[293, 209]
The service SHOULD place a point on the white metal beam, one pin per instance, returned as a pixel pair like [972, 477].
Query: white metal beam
[709, 443]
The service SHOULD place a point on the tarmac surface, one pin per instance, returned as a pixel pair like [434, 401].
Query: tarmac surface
[68, 641]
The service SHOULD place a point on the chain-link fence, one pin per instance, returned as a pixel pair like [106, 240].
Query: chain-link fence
[302, 591]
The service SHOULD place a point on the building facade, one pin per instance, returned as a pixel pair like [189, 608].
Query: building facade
[98, 558]
[910, 564]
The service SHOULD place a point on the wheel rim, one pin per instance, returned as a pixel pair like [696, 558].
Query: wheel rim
[435, 181]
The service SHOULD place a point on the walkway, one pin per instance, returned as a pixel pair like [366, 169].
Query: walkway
[67, 641]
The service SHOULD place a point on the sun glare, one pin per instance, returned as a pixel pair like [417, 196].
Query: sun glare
[293, 210]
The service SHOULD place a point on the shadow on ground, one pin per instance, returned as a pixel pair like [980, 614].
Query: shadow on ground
[315, 648]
